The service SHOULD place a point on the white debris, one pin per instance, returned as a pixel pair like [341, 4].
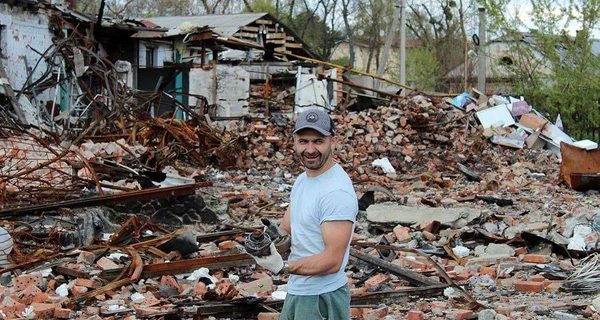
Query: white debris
[62, 290]
[461, 251]
[384, 164]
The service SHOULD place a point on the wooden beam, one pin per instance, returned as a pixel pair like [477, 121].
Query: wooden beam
[413, 277]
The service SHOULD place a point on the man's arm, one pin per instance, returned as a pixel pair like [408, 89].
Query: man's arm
[336, 236]
[285, 227]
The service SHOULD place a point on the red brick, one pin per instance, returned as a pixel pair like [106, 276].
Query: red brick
[78, 290]
[268, 316]
[491, 271]
[529, 286]
[402, 233]
[200, 289]
[358, 291]
[520, 251]
[21, 282]
[415, 315]
[375, 314]
[377, 280]
[461, 314]
[536, 258]
[428, 235]
[29, 293]
[226, 245]
[105, 263]
[552, 286]
[169, 281]
[146, 311]
[43, 310]
[86, 257]
[150, 300]
[537, 278]
[355, 312]
[85, 283]
[40, 297]
[62, 313]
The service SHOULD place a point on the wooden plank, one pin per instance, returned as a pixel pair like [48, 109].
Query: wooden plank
[71, 272]
[249, 28]
[246, 35]
[293, 45]
[263, 21]
[397, 296]
[276, 35]
[276, 41]
[406, 274]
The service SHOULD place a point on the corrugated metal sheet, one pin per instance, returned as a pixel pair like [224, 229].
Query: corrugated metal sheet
[227, 24]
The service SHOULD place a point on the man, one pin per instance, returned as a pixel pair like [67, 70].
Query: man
[320, 220]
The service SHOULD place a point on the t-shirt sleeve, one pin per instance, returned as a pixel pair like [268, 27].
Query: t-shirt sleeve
[338, 205]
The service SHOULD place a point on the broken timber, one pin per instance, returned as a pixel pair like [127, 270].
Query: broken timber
[410, 276]
[141, 195]
[187, 266]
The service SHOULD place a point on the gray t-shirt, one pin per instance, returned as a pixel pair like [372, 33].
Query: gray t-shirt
[329, 196]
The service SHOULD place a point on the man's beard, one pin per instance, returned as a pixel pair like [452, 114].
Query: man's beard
[316, 162]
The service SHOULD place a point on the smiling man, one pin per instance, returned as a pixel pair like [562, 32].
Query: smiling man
[320, 220]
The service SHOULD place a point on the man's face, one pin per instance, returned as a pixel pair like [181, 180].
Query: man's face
[313, 149]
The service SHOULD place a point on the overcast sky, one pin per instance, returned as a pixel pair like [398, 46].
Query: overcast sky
[523, 9]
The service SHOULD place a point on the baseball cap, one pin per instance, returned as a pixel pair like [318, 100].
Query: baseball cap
[316, 119]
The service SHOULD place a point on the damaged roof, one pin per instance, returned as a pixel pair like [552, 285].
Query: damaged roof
[235, 25]
[227, 24]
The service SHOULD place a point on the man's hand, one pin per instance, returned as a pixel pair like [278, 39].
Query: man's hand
[272, 262]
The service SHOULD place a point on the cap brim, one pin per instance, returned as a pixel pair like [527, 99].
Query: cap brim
[320, 130]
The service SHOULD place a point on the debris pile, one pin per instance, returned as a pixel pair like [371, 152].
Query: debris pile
[447, 216]
[464, 208]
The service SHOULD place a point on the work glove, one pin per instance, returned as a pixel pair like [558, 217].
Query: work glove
[283, 242]
[273, 262]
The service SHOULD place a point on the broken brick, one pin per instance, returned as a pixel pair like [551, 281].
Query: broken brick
[460, 314]
[377, 280]
[415, 315]
[529, 286]
[106, 264]
[62, 313]
[268, 316]
[23, 281]
[536, 258]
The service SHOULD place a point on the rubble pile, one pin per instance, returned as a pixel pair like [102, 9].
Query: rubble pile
[121, 208]
[447, 217]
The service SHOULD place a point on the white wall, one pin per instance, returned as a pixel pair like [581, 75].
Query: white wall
[162, 53]
[20, 29]
[230, 84]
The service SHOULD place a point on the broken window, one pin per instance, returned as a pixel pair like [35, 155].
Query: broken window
[150, 56]
[3, 44]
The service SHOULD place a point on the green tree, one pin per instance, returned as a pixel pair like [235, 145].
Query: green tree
[556, 71]
[423, 69]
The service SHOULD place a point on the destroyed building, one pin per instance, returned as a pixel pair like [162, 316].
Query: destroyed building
[136, 155]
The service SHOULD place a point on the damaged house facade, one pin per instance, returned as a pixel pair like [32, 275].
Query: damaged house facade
[227, 66]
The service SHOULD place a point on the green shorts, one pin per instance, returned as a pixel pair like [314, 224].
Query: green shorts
[333, 305]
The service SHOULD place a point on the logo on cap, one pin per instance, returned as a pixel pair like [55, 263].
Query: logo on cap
[312, 117]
